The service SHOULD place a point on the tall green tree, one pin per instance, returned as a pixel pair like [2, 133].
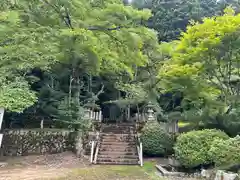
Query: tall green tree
[205, 68]
[171, 17]
[89, 36]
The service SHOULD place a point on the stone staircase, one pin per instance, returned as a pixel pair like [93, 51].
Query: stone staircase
[117, 145]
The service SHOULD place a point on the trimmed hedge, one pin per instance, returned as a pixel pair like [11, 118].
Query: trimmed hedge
[191, 148]
[225, 153]
[156, 141]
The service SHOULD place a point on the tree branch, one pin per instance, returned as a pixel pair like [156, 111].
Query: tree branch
[97, 28]
[101, 90]
[64, 18]
[67, 20]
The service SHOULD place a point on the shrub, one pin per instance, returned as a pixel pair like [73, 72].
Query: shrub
[191, 149]
[156, 141]
[225, 153]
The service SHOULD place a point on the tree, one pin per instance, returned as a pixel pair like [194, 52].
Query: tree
[87, 36]
[170, 18]
[205, 67]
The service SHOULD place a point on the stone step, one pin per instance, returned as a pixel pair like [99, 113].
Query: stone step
[112, 135]
[117, 131]
[118, 145]
[118, 149]
[119, 141]
[118, 161]
[114, 143]
[118, 128]
[116, 134]
[119, 125]
[111, 153]
[117, 156]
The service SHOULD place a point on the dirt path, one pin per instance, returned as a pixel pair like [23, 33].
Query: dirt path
[41, 167]
[33, 173]
[66, 166]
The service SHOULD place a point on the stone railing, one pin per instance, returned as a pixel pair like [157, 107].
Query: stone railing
[93, 115]
[39, 141]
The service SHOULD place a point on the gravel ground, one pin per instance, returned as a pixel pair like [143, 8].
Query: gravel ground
[66, 166]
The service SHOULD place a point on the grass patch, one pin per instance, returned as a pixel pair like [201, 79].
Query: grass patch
[149, 166]
[113, 172]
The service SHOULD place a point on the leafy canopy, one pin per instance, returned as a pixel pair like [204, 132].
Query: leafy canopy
[205, 64]
[97, 36]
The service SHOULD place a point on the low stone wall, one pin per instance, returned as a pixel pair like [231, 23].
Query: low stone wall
[40, 141]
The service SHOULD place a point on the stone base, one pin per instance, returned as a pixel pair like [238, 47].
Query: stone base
[161, 169]
[165, 172]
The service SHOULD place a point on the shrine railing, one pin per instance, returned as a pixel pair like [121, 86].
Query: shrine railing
[93, 115]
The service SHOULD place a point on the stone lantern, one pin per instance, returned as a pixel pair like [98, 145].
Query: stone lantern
[150, 113]
[150, 117]
[87, 113]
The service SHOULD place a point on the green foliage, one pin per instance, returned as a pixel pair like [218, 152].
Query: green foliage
[72, 114]
[227, 122]
[191, 148]
[156, 141]
[204, 68]
[170, 18]
[84, 38]
[225, 153]
[15, 95]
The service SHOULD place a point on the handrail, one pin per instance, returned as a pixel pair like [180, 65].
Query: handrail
[97, 148]
[141, 154]
[96, 154]
[139, 149]
[92, 151]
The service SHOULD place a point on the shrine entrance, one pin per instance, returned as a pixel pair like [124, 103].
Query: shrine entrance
[112, 114]
[114, 131]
